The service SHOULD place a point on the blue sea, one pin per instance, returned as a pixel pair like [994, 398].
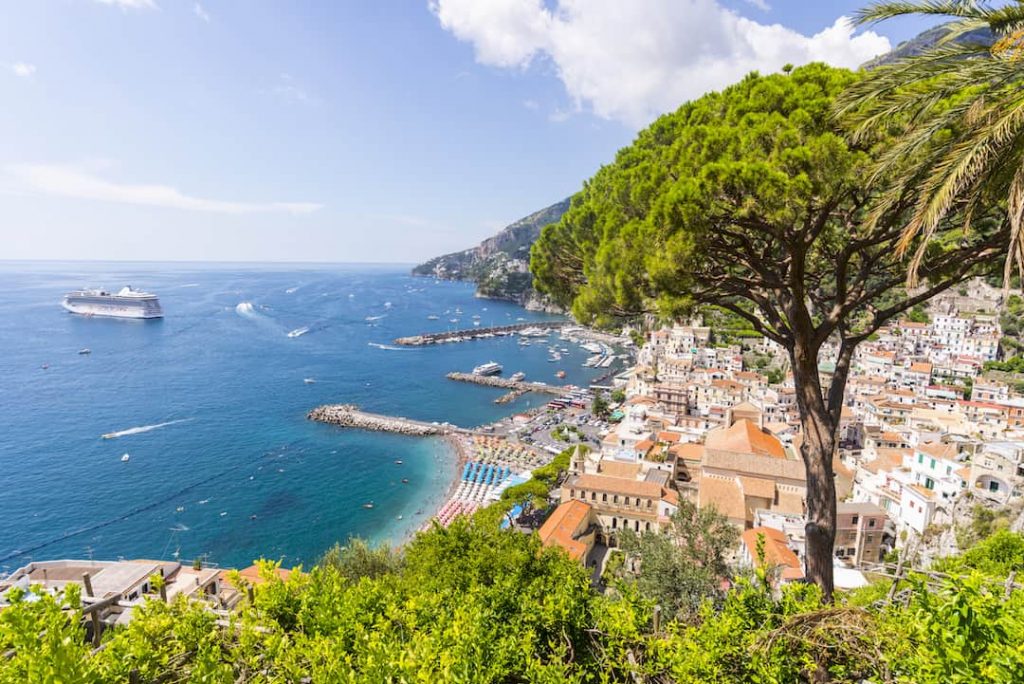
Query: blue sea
[210, 405]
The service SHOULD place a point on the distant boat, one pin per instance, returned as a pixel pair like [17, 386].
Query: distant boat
[398, 462]
[432, 317]
[124, 459]
[309, 381]
[516, 377]
[405, 480]
[86, 350]
[45, 366]
[489, 368]
[368, 504]
[560, 374]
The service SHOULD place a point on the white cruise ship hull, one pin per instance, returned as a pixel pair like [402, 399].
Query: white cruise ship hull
[113, 310]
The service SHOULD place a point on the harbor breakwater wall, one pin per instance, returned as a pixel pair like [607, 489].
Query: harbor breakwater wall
[477, 333]
[505, 383]
[349, 415]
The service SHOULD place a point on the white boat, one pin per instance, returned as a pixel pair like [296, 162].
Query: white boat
[309, 381]
[299, 332]
[432, 317]
[85, 351]
[489, 368]
[516, 377]
[124, 459]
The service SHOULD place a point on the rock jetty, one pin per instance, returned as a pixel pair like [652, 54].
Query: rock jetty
[349, 415]
[506, 383]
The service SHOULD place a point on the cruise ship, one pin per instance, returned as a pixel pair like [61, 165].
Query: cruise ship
[489, 368]
[127, 303]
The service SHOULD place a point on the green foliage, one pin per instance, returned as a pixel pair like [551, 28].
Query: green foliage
[997, 555]
[1012, 365]
[618, 396]
[599, 407]
[534, 492]
[918, 314]
[683, 566]
[472, 603]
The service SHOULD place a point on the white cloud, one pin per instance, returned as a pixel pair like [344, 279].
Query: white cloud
[66, 180]
[200, 12]
[23, 69]
[290, 89]
[130, 4]
[760, 4]
[632, 61]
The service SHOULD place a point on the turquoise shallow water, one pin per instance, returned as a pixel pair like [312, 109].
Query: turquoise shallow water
[223, 382]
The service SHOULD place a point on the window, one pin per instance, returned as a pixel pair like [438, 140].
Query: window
[572, 493]
[615, 523]
[593, 496]
[615, 498]
[920, 458]
[604, 498]
[933, 464]
[636, 525]
[993, 486]
[647, 526]
[929, 483]
[854, 520]
[949, 470]
[871, 522]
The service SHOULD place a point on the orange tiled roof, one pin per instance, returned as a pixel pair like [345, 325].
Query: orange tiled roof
[724, 495]
[776, 549]
[743, 436]
[560, 528]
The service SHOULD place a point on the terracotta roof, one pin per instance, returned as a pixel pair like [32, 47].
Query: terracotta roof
[688, 451]
[668, 436]
[923, 491]
[613, 468]
[745, 437]
[887, 460]
[723, 494]
[938, 450]
[619, 485]
[560, 528]
[921, 367]
[776, 549]
[758, 486]
[252, 574]
[644, 446]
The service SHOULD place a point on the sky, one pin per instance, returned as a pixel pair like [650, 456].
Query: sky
[347, 131]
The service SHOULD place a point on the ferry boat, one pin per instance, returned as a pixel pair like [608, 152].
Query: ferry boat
[489, 368]
[516, 377]
[127, 303]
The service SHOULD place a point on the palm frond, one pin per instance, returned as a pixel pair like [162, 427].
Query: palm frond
[880, 11]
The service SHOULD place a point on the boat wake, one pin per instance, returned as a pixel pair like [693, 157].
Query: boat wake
[375, 318]
[388, 347]
[299, 332]
[292, 290]
[246, 309]
[142, 428]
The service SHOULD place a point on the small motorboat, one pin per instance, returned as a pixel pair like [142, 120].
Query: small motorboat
[398, 462]
[309, 381]
[45, 366]
[560, 374]
[84, 351]
[368, 504]
[400, 517]
[124, 459]
[405, 480]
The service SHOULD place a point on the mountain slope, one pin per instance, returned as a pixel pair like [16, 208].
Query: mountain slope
[500, 265]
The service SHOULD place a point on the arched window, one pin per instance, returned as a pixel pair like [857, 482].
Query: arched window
[615, 523]
[615, 498]
[647, 527]
[604, 497]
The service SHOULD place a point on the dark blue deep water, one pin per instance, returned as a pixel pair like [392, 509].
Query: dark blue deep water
[224, 384]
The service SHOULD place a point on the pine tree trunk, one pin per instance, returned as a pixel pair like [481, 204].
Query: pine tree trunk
[817, 449]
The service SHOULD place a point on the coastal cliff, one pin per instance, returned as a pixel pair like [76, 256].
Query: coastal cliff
[500, 265]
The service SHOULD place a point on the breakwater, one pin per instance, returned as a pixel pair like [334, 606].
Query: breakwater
[349, 415]
[477, 333]
[506, 383]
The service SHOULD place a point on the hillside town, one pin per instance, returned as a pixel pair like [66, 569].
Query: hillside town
[925, 439]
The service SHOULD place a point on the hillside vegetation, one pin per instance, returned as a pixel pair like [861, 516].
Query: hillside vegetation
[473, 603]
[499, 264]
